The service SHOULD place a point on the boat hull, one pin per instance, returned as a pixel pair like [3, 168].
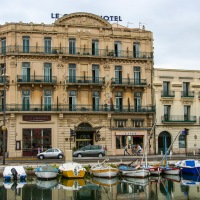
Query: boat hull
[71, 174]
[190, 170]
[105, 173]
[139, 173]
[46, 175]
[155, 171]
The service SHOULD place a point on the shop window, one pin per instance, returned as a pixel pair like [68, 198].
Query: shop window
[181, 141]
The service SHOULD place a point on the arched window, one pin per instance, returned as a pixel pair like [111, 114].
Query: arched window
[181, 140]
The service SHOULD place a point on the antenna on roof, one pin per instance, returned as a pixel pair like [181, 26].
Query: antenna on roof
[141, 25]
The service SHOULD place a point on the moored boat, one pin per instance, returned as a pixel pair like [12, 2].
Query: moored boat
[46, 172]
[14, 172]
[155, 170]
[104, 170]
[189, 166]
[133, 169]
[72, 170]
[171, 170]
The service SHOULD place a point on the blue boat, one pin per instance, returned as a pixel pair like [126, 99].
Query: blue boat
[189, 166]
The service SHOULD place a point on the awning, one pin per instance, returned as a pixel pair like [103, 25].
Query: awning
[87, 129]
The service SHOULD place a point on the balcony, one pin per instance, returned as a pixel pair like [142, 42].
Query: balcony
[187, 94]
[77, 108]
[84, 80]
[76, 52]
[21, 79]
[128, 82]
[178, 119]
[2, 79]
[168, 94]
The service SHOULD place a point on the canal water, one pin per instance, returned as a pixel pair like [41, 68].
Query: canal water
[158, 188]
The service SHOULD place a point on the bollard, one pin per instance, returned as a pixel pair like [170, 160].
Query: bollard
[68, 155]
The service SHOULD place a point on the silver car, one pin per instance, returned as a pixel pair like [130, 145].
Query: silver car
[51, 153]
[89, 151]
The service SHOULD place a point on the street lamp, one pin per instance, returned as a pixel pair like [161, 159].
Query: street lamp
[3, 128]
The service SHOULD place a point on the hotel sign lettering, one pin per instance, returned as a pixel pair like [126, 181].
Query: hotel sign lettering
[36, 118]
[106, 17]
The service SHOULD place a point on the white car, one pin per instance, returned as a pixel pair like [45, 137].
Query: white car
[51, 153]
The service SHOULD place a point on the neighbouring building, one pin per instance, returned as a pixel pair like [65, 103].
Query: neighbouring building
[177, 98]
[80, 73]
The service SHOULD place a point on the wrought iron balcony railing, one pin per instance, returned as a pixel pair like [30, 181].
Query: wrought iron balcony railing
[2, 79]
[167, 93]
[77, 108]
[128, 81]
[36, 79]
[85, 80]
[178, 118]
[187, 94]
[75, 51]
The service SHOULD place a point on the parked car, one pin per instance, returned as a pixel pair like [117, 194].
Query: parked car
[51, 153]
[90, 150]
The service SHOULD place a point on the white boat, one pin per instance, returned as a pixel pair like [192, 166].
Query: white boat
[104, 170]
[14, 172]
[137, 173]
[46, 172]
[171, 170]
[72, 170]
[155, 170]
[44, 184]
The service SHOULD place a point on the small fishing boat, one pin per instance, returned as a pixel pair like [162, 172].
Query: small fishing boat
[189, 166]
[14, 173]
[155, 170]
[72, 170]
[46, 172]
[171, 170]
[133, 169]
[104, 170]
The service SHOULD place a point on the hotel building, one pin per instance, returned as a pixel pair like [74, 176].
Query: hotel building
[80, 73]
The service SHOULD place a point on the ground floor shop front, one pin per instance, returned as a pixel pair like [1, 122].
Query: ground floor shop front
[26, 133]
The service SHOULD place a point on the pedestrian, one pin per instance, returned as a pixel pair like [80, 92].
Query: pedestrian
[105, 148]
[39, 150]
[139, 149]
[126, 150]
[32, 151]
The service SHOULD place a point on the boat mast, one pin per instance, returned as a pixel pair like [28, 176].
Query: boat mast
[166, 152]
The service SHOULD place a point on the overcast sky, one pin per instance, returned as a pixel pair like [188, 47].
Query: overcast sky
[175, 23]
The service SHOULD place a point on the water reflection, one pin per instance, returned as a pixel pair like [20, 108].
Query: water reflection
[165, 187]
